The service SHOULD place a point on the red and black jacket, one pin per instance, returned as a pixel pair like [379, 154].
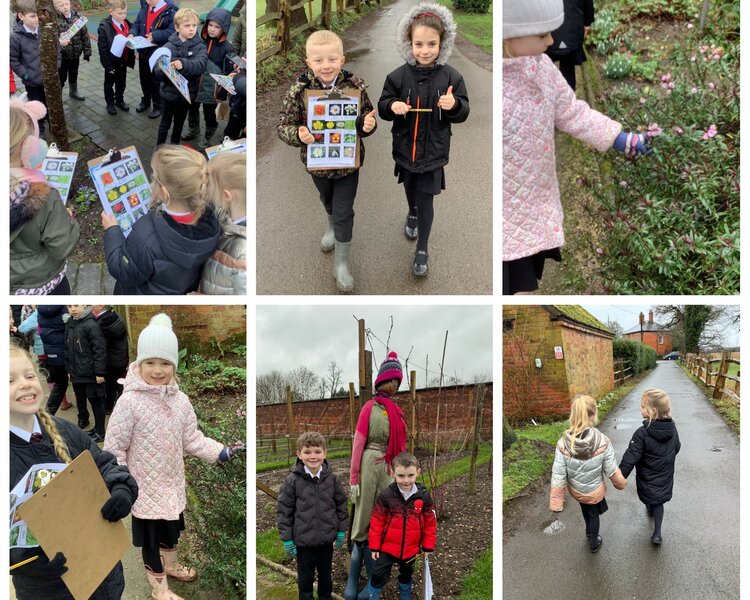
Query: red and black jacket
[403, 528]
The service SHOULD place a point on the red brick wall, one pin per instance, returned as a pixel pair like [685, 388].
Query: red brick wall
[651, 338]
[197, 321]
[588, 363]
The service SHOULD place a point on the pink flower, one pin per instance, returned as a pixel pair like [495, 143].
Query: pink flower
[703, 49]
[600, 251]
[692, 58]
[711, 85]
[666, 77]
[671, 85]
[653, 130]
[710, 132]
[623, 184]
[642, 100]
[689, 25]
[694, 90]
[716, 57]
[678, 130]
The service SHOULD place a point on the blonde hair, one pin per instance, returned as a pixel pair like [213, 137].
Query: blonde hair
[656, 403]
[45, 419]
[116, 4]
[507, 52]
[229, 170]
[583, 414]
[322, 37]
[185, 14]
[20, 128]
[184, 173]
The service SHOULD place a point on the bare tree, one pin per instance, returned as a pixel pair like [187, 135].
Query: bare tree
[304, 383]
[615, 328]
[270, 388]
[332, 378]
[695, 325]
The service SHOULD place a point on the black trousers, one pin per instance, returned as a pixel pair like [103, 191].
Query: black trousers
[114, 85]
[337, 196]
[421, 203]
[209, 113]
[113, 389]
[234, 127]
[149, 85]
[169, 111]
[94, 393]
[309, 560]
[381, 572]
[36, 92]
[58, 377]
[69, 70]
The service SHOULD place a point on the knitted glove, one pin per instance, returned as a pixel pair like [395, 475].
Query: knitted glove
[230, 451]
[44, 568]
[340, 539]
[632, 144]
[290, 548]
[354, 493]
[118, 506]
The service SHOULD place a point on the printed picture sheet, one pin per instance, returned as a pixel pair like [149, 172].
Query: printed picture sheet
[135, 42]
[333, 125]
[58, 168]
[36, 478]
[226, 82]
[74, 28]
[161, 58]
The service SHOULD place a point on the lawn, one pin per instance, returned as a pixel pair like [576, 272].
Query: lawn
[474, 27]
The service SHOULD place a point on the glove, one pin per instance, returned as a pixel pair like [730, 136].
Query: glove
[290, 548]
[44, 568]
[340, 539]
[118, 506]
[229, 451]
[354, 493]
[632, 144]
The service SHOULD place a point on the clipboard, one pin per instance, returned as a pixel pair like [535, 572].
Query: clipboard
[325, 126]
[81, 490]
[58, 168]
[227, 145]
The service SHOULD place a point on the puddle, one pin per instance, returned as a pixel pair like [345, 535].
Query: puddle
[555, 526]
[352, 54]
[716, 448]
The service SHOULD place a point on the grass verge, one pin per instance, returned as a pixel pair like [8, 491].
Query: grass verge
[477, 585]
[278, 464]
[460, 467]
[476, 28]
[727, 408]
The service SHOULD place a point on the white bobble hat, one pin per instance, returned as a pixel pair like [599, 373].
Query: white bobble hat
[531, 17]
[158, 341]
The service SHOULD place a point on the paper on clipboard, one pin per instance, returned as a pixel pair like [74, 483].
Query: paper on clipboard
[227, 145]
[332, 120]
[58, 168]
[90, 557]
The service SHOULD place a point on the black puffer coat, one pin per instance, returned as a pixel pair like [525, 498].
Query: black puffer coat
[218, 49]
[569, 36]
[311, 513]
[52, 328]
[24, 55]
[80, 42]
[23, 455]
[194, 57]
[116, 334]
[85, 349]
[105, 36]
[161, 28]
[652, 452]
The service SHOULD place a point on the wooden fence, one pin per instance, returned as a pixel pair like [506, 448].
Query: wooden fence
[722, 383]
[284, 31]
[622, 372]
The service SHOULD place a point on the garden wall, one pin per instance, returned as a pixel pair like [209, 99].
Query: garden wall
[588, 363]
[191, 322]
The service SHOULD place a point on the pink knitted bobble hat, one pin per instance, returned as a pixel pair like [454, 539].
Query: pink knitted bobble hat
[390, 368]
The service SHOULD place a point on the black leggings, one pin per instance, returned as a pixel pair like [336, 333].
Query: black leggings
[658, 512]
[152, 558]
[420, 204]
[591, 516]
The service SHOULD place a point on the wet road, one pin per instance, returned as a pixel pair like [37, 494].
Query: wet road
[700, 554]
[291, 219]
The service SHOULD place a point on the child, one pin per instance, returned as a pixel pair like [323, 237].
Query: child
[38, 437]
[239, 39]
[652, 452]
[421, 140]
[189, 58]
[337, 187]
[86, 363]
[166, 249]
[403, 524]
[71, 48]
[237, 123]
[582, 456]
[116, 337]
[311, 515]
[42, 232]
[52, 332]
[30, 325]
[155, 22]
[151, 429]
[115, 67]
[214, 35]
[226, 271]
[568, 38]
[536, 100]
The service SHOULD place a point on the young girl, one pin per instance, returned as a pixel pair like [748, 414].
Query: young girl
[226, 271]
[652, 451]
[42, 232]
[71, 48]
[37, 437]
[422, 98]
[536, 100]
[151, 428]
[583, 456]
[166, 249]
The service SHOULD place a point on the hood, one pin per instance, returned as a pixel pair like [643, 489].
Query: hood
[188, 246]
[662, 430]
[402, 32]
[26, 198]
[325, 470]
[134, 383]
[111, 324]
[51, 310]
[585, 445]
[223, 17]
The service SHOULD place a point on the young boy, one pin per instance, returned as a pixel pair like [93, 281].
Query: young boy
[115, 67]
[189, 58]
[155, 22]
[72, 48]
[402, 525]
[237, 122]
[311, 516]
[337, 187]
[86, 363]
[115, 334]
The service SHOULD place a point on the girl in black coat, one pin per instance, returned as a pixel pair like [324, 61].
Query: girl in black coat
[422, 98]
[652, 452]
[568, 38]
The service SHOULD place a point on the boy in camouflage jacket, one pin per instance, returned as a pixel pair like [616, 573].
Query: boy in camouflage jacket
[72, 48]
[337, 187]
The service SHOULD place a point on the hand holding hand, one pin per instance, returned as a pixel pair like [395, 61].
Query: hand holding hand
[354, 493]
[447, 101]
[340, 539]
[400, 108]
[108, 220]
[290, 548]
[370, 121]
[632, 144]
[305, 136]
[118, 506]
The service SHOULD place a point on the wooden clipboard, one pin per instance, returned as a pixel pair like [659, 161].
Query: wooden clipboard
[91, 544]
[331, 96]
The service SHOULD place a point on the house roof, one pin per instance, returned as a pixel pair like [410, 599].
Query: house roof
[577, 314]
[647, 326]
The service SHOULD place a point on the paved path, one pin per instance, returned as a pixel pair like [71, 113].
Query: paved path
[291, 219]
[700, 556]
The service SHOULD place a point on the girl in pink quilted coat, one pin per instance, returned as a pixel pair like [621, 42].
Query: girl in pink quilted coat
[151, 428]
[536, 101]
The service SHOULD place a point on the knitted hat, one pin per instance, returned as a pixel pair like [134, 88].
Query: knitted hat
[35, 109]
[389, 369]
[531, 17]
[158, 341]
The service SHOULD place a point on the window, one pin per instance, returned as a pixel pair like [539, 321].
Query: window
[661, 339]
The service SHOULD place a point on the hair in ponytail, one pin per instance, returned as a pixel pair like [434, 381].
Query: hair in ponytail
[583, 414]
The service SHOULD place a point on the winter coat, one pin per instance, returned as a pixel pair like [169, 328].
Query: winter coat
[218, 49]
[403, 528]
[85, 349]
[536, 101]
[13, 88]
[30, 325]
[226, 271]
[579, 14]
[52, 331]
[151, 428]
[42, 236]
[24, 55]
[79, 43]
[106, 35]
[311, 513]
[238, 102]
[239, 40]
[582, 469]
[294, 115]
[116, 337]
[194, 59]
[652, 451]
[24, 455]
[161, 29]
[161, 256]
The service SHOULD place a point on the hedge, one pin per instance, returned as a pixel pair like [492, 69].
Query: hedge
[639, 356]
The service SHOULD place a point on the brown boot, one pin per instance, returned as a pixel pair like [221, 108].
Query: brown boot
[159, 586]
[175, 569]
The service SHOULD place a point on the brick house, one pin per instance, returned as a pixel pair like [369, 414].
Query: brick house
[652, 334]
[550, 354]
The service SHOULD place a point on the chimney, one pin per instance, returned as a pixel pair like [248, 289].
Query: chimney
[651, 316]
[640, 319]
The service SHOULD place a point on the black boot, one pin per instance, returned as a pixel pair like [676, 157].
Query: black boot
[194, 129]
[143, 105]
[122, 105]
[73, 92]
[155, 112]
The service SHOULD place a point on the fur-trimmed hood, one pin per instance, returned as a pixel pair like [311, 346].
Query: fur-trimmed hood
[402, 32]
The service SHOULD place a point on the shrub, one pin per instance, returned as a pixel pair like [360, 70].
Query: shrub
[635, 354]
[617, 67]
[473, 6]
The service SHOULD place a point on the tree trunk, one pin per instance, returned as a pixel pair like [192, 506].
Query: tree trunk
[509, 436]
[299, 17]
[50, 75]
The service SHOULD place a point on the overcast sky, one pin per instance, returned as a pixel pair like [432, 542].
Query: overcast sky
[290, 336]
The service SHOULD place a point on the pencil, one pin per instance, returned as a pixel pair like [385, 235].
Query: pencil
[24, 562]
[420, 110]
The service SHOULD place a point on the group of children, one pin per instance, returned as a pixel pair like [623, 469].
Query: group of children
[152, 427]
[196, 53]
